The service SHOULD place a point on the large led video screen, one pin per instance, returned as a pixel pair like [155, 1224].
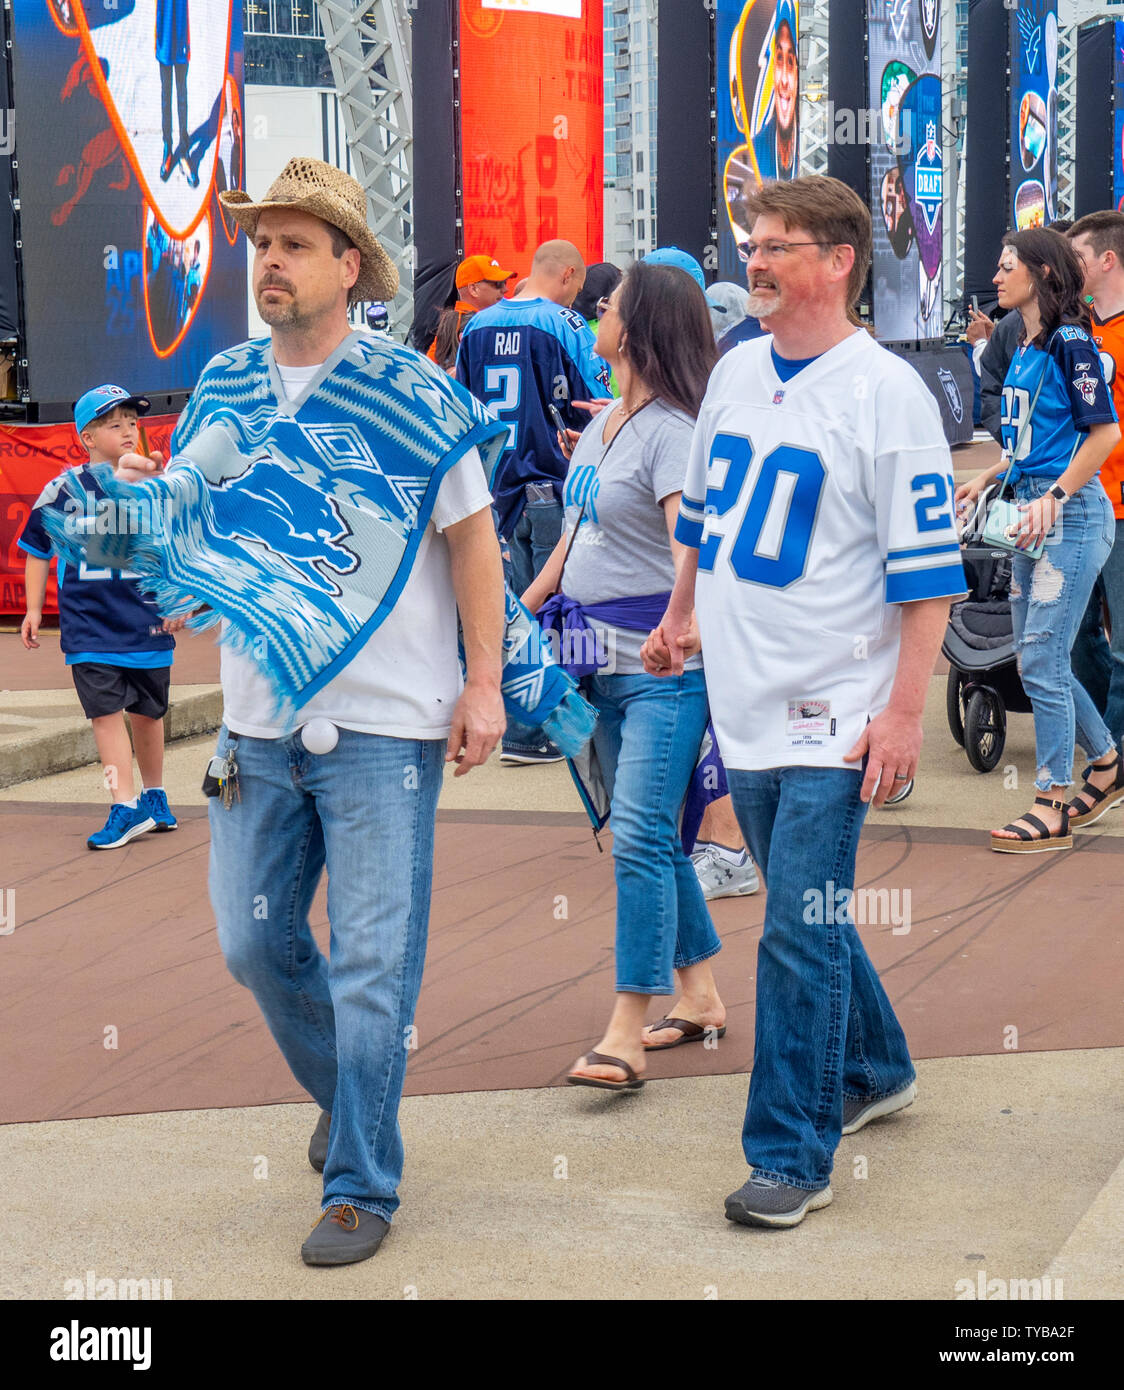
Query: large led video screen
[129, 120]
[1034, 113]
[906, 168]
[531, 127]
[757, 60]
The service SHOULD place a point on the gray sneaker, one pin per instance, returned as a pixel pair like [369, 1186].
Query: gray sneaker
[762, 1202]
[718, 878]
[857, 1113]
[318, 1144]
[344, 1235]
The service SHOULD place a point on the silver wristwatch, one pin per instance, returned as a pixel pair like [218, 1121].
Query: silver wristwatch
[1059, 493]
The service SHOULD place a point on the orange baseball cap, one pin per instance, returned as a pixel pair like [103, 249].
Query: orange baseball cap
[476, 268]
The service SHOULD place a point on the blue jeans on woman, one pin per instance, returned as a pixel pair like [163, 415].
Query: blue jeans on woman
[825, 1028]
[1049, 597]
[366, 812]
[647, 741]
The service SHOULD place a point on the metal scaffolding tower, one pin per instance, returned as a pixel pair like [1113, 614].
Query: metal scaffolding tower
[369, 46]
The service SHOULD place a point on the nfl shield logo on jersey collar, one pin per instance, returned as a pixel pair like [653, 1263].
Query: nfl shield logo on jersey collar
[778, 396]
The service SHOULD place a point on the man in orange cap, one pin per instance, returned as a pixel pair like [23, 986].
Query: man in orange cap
[481, 282]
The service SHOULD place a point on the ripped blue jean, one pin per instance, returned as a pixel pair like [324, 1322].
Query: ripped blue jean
[1048, 600]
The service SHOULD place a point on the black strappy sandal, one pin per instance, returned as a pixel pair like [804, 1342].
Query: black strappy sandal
[1102, 800]
[1030, 843]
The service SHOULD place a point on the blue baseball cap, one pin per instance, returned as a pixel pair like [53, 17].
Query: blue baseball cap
[101, 400]
[671, 255]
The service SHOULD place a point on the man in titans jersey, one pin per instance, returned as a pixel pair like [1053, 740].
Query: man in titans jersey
[818, 510]
[521, 357]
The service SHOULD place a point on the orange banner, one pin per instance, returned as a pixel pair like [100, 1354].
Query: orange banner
[532, 127]
[30, 456]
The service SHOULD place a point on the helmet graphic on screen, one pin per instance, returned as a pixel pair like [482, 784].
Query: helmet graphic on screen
[930, 19]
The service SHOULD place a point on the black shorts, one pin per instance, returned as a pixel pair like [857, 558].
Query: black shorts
[110, 689]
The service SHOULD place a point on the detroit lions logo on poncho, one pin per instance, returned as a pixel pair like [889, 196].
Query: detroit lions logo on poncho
[298, 522]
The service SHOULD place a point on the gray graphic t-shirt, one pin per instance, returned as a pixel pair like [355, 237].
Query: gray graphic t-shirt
[622, 549]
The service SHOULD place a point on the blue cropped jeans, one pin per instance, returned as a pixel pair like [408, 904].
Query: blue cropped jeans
[647, 739]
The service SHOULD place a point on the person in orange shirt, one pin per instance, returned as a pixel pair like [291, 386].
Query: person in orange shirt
[481, 282]
[1098, 240]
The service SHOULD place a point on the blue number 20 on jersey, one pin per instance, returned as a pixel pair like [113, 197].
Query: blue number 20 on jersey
[771, 544]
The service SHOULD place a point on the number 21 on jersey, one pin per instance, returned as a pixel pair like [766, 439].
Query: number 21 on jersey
[771, 544]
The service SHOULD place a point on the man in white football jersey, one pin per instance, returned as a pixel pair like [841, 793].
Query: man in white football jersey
[818, 509]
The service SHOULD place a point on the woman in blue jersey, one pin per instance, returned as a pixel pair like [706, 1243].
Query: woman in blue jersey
[615, 565]
[1058, 426]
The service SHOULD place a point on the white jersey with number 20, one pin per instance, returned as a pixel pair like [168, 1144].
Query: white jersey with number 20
[817, 505]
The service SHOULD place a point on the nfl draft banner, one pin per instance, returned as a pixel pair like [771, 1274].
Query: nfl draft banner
[757, 46]
[532, 127]
[906, 168]
[1034, 113]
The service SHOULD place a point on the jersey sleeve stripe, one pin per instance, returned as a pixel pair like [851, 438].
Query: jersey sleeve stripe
[910, 586]
[938, 547]
[691, 504]
[39, 554]
[915, 566]
[688, 532]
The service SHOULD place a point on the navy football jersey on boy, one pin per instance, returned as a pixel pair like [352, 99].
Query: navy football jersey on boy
[103, 616]
[518, 357]
[1073, 398]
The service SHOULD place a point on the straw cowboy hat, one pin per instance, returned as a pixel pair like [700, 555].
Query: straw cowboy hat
[310, 185]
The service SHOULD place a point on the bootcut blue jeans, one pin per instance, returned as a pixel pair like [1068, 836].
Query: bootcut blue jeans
[365, 811]
[825, 1028]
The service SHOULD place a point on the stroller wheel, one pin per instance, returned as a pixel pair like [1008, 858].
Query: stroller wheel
[955, 704]
[985, 729]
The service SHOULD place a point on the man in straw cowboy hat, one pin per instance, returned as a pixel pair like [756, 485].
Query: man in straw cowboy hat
[365, 469]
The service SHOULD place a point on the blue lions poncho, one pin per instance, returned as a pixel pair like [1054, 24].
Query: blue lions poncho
[298, 521]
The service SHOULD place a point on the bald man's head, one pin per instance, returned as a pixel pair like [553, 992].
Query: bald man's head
[557, 273]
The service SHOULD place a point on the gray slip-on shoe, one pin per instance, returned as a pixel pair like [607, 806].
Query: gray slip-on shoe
[857, 1113]
[318, 1144]
[761, 1201]
[344, 1235]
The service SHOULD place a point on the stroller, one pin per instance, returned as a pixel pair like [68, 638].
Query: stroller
[979, 644]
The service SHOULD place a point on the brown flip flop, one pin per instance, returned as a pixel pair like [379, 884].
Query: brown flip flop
[598, 1059]
[689, 1032]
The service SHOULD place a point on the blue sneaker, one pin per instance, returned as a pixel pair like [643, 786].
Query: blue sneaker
[125, 823]
[155, 803]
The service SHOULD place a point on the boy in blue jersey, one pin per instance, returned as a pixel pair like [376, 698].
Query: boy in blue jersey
[520, 357]
[117, 646]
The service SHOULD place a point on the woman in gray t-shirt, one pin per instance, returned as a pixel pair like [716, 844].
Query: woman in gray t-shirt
[622, 498]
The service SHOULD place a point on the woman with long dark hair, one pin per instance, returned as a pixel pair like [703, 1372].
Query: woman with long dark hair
[1058, 426]
[616, 562]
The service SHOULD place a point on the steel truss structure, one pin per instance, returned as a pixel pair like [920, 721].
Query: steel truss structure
[369, 47]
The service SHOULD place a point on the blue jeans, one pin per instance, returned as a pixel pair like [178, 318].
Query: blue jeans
[366, 812]
[1091, 657]
[1098, 662]
[647, 741]
[1049, 597]
[531, 543]
[825, 1028]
